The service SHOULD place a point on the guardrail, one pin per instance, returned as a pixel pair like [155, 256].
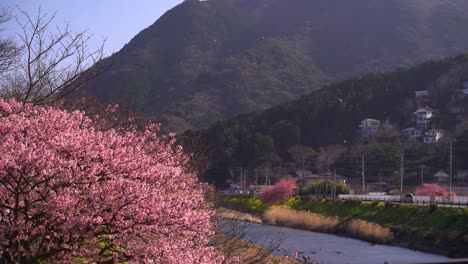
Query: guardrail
[457, 201]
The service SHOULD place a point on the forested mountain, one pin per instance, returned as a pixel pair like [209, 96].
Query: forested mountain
[204, 60]
[332, 115]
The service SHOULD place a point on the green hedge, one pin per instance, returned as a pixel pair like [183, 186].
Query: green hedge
[251, 205]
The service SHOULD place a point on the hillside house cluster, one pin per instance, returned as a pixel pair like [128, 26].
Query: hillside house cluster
[423, 117]
[369, 127]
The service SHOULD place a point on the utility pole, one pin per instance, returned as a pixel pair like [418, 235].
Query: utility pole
[241, 182]
[303, 162]
[422, 175]
[450, 171]
[246, 175]
[401, 170]
[256, 177]
[334, 185]
[363, 175]
[267, 176]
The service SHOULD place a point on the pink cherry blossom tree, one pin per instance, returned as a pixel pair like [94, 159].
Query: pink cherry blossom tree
[282, 190]
[432, 190]
[70, 190]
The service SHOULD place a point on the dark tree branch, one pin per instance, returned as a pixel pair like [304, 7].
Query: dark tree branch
[52, 64]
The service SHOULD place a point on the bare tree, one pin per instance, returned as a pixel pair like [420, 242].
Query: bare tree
[52, 64]
[301, 155]
[329, 155]
[9, 50]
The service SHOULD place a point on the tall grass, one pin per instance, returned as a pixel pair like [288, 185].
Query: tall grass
[368, 231]
[281, 215]
[236, 215]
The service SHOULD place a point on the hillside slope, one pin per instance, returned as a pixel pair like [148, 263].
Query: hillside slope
[332, 115]
[205, 60]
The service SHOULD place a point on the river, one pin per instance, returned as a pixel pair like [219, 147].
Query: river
[331, 249]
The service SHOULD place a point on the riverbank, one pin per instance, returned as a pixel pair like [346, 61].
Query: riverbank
[431, 229]
[330, 249]
[248, 252]
[230, 241]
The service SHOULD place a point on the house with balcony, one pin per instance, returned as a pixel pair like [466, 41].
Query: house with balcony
[412, 133]
[432, 136]
[422, 97]
[423, 118]
[369, 127]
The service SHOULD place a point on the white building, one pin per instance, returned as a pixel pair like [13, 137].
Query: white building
[412, 133]
[422, 97]
[423, 117]
[432, 136]
[301, 174]
[441, 177]
[368, 127]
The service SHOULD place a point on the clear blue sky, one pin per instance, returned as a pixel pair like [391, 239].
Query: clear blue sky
[118, 21]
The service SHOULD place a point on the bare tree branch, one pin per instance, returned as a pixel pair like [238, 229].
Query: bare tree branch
[52, 64]
[9, 50]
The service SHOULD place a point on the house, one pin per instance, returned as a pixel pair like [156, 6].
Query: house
[422, 97]
[432, 136]
[411, 133]
[377, 187]
[458, 103]
[462, 93]
[441, 177]
[301, 174]
[423, 117]
[309, 179]
[369, 127]
[461, 175]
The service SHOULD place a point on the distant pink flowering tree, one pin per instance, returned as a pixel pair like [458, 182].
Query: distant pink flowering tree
[71, 190]
[282, 190]
[432, 189]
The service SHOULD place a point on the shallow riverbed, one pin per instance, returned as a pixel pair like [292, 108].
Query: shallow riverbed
[331, 249]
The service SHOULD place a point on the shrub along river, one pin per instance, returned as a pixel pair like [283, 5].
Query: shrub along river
[326, 248]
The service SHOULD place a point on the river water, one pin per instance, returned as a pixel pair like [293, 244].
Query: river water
[331, 249]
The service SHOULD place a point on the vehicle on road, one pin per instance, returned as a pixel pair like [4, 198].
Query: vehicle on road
[407, 198]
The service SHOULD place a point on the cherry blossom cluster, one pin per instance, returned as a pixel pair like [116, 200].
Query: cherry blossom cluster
[282, 190]
[433, 190]
[69, 190]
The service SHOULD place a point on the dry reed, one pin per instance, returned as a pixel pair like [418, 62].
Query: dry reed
[285, 216]
[279, 215]
[369, 231]
[239, 216]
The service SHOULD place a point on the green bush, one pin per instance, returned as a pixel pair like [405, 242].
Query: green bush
[325, 187]
[251, 205]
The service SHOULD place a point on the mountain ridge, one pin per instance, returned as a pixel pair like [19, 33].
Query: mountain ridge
[207, 60]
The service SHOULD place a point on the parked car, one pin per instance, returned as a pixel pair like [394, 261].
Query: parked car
[408, 198]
